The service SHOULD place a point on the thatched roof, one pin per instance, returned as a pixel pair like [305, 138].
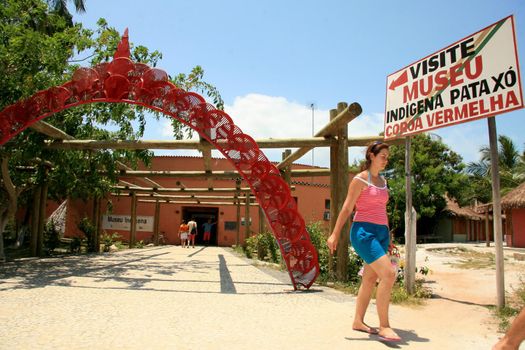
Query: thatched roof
[465, 212]
[515, 198]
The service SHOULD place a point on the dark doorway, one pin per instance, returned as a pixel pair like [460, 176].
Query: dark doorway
[201, 215]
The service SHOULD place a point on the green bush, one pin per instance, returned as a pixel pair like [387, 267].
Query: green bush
[318, 236]
[264, 245]
[75, 245]
[88, 229]
[51, 236]
[109, 240]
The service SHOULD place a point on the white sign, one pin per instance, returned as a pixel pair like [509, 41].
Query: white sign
[476, 77]
[123, 222]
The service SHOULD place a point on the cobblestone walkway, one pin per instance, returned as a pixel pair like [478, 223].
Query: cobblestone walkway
[203, 298]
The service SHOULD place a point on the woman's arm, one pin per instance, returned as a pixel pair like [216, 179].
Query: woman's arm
[354, 189]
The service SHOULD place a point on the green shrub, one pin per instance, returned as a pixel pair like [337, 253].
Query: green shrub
[109, 240]
[75, 245]
[88, 229]
[264, 245]
[51, 236]
[318, 236]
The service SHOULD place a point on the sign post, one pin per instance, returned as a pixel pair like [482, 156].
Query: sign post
[476, 77]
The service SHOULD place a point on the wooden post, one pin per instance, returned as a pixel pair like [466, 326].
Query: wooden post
[133, 224]
[342, 190]
[247, 218]
[509, 232]
[285, 172]
[238, 187]
[496, 211]
[261, 220]
[157, 224]
[410, 233]
[35, 218]
[42, 218]
[487, 228]
[96, 224]
[334, 212]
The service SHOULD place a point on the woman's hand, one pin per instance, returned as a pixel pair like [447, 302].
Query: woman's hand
[331, 242]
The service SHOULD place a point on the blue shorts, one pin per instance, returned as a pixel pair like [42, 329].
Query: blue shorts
[370, 241]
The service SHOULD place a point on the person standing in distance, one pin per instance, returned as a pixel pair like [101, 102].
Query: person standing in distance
[207, 231]
[193, 232]
[183, 234]
[370, 237]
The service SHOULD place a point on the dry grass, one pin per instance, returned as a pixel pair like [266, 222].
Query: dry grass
[469, 259]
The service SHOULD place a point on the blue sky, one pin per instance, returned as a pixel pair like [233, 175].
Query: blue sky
[272, 59]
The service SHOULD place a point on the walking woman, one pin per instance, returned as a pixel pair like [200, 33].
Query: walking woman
[370, 238]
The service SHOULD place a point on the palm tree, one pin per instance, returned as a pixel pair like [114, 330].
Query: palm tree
[60, 7]
[512, 165]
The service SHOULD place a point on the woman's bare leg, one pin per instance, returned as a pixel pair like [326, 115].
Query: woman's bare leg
[364, 295]
[387, 276]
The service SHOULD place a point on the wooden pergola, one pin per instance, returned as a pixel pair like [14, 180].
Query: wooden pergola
[334, 135]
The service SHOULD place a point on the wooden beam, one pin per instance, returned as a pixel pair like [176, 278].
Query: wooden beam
[50, 130]
[186, 190]
[167, 196]
[166, 201]
[344, 116]
[219, 174]
[197, 145]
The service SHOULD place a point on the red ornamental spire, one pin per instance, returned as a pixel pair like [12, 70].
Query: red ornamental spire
[123, 46]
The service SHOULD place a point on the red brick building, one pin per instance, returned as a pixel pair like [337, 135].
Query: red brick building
[311, 193]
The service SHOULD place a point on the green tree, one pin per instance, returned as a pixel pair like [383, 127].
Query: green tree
[39, 49]
[436, 171]
[60, 7]
[511, 169]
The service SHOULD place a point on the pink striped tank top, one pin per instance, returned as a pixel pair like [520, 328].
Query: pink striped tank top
[371, 204]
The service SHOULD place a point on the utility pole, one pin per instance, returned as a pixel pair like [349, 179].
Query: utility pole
[312, 106]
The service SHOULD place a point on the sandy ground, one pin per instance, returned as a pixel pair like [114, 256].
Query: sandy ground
[211, 298]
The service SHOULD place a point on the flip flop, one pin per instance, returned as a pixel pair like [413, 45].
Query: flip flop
[370, 330]
[388, 339]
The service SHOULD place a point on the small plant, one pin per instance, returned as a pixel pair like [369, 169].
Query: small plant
[264, 245]
[401, 296]
[109, 240]
[88, 229]
[139, 244]
[51, 236]
[516, 302]
[75, 245]
[120, 245]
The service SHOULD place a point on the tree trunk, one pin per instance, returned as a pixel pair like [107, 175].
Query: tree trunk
[11, 205]
[4, 218]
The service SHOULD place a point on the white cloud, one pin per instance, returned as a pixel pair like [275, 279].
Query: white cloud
[466, 139]
[263, 116]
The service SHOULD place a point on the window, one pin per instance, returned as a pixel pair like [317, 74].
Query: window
[249, 223]
[230, 225]
[327, 204]
[326, 215]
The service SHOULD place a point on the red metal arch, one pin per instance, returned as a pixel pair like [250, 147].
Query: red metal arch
[125, 81]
